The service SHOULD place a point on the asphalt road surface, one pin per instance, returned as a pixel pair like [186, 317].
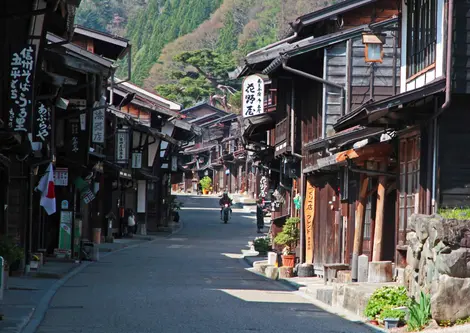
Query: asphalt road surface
[192, 282]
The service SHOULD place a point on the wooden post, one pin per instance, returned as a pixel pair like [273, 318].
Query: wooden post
[359, 224]
[379, 215]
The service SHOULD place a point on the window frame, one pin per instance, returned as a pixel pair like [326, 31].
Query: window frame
[421, 36]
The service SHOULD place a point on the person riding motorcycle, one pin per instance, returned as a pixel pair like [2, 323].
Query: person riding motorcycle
[225, 200]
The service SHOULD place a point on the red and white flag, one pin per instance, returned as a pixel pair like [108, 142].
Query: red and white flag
[47, 188]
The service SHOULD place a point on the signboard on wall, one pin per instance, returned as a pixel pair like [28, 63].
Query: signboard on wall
[98, 125]
[20, 106]
[253, 96]
[136, 160]
[122, 146]
[61, 177]
[309, 216]
[42, 123]
[174, 163]
[76, 141]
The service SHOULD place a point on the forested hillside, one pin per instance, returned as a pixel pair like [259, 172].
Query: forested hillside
[169, 35]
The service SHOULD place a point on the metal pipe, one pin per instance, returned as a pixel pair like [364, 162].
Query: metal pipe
[270, 46]
[394, 77]
[302, 222]
[448, 98]
[318, 79]
[450, 25]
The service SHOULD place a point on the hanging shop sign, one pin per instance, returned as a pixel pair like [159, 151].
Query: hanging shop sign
[20, 106]
[136, 160]
[309, 216]
[77, 142]
[122, 146]
[263, 187]
[98, 126]
[174, 163]
[61, 177]
[253, 96]
[42, 123]
[86, 194]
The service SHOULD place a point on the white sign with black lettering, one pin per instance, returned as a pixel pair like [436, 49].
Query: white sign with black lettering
[253, 96]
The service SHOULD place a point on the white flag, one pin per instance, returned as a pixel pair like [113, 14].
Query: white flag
[47, 188]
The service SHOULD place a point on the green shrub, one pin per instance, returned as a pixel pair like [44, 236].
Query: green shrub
[455, 213]
[9, 250]
[420, 313]
[386, 298]
[262, 244]
[206, 183]
[390, 313]
[289, 235]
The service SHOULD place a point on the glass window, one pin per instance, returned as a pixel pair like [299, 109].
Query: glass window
[421, 35]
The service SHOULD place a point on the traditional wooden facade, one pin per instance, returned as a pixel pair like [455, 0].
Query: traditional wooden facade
[372, 131]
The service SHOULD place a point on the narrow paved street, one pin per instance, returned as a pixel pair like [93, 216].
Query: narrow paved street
[191, 282]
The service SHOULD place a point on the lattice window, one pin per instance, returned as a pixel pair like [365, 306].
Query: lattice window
[421, 35]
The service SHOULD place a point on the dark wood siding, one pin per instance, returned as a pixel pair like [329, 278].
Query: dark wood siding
[382, 73]
[327, 239]
[376, 12]
[335, 71]
[454, 161]
[461, 50]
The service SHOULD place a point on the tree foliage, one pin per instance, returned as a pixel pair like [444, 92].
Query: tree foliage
[202, 73]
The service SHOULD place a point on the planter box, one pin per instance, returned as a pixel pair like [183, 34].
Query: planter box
[391, 323]
[34, 264]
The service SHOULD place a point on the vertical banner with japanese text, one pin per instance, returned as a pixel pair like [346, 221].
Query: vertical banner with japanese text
[253, 96]
[122, 146]
[309, 218]
[77, 141]
[41, 123]
[98, 126]
[21, 88]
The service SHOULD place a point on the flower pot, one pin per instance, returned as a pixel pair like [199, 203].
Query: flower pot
[288, 260]
[391, 323]
[374, 322]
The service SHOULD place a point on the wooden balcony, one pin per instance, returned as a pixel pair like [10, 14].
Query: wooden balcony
[281, 132]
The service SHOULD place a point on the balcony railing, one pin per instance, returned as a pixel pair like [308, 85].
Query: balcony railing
[282, 131]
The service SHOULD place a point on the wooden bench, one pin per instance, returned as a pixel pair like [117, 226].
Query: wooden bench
[330, 271]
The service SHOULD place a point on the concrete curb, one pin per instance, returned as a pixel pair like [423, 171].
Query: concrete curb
[295, 287]
[32, 323]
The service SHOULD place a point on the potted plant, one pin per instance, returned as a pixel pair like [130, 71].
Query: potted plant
[206, 184]
[11, 253]
[392, 317]
[262, 244]
[288, 237]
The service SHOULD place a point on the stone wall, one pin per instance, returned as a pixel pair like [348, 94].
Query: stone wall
[438, 262]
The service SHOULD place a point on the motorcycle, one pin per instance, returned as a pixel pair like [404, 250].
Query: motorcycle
[225, 213]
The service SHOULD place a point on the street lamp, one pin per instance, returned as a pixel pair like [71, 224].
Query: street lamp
[373, 51]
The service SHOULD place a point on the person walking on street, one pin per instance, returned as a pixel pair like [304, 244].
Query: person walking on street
[260, 215]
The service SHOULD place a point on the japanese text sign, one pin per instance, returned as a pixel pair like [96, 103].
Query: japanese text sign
[136, 160]
[21, 88]
[42, 123]
[98, 126]
[253, 96]
[122, 146]
[61, 177]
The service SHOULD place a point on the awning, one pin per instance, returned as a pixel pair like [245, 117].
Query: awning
[147, 176]
[342, 138]
[198, 150]
[259, 123]
[370, 112]
[369, 152]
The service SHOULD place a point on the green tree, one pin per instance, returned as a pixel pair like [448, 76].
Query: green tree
[202, 74]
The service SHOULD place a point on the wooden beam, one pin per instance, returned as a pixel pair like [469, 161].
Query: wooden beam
[360, 210]
[379, 215]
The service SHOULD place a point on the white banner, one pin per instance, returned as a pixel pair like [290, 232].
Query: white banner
[122, 146]
[253, 96]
